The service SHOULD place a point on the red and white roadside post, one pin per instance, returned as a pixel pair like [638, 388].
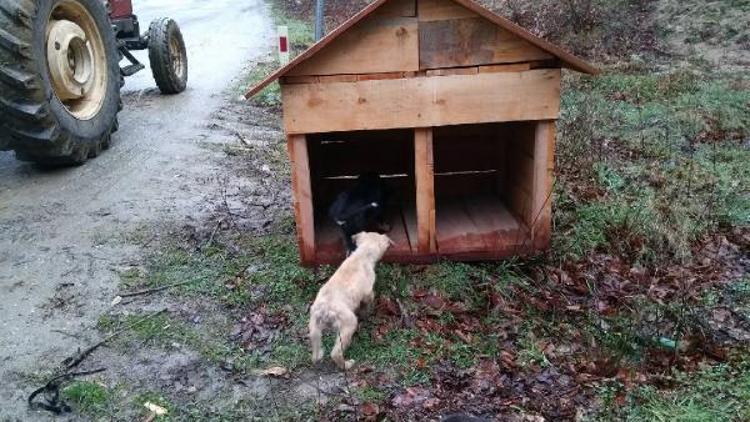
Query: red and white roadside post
[283, 45]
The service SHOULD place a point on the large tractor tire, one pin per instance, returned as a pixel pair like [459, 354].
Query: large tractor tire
[59, 80]
[168, 56]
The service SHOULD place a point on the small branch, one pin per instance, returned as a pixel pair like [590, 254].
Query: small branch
[242, 139]
[152, 291]
[405, 323]
[210, 240]
[73, 362]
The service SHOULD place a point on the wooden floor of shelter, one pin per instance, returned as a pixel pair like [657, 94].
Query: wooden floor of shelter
[468, 227]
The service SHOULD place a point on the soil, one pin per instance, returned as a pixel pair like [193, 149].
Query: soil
[65, 233]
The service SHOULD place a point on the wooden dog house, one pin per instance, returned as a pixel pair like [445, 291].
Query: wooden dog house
[453, 104]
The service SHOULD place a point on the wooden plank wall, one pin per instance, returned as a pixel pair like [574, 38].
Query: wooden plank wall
[302, 191]
[544, 167]
[530, 177]
[386, 41]
[422, 102]
[418, 35]
[518, 180]
[471, 42]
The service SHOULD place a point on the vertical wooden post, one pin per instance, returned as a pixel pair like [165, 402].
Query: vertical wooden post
[425, 179]
[544, 168]
[302, 191]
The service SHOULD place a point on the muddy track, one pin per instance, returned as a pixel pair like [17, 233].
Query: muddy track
[63, 233]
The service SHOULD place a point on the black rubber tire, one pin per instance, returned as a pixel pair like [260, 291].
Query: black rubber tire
[160, 34]
[33, 121]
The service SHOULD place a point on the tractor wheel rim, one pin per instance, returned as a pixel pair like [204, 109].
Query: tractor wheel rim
[76, 60]
[175, 52]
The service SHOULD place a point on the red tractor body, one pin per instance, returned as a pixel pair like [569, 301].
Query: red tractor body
[121, 9]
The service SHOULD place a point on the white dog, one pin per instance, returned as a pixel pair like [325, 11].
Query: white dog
[339, 299]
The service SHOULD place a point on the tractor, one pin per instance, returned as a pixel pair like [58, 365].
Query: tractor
[60, 74]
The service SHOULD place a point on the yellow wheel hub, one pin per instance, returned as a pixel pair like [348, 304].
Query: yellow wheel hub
[76, 59]
[70, 60]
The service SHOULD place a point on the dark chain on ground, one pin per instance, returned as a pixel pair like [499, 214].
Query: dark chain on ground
[52, 401]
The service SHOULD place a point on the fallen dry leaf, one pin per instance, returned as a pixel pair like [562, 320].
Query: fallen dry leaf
[386, 306]
[721, 315]
[508, 359]
[116, 301]
[432, 403]
[411, 397]
[369, 410]
[155, 408]
[276, 371]
[434, 301]
[419, 293]
[466, 338]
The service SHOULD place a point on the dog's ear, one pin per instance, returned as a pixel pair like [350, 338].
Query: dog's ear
[357, 238]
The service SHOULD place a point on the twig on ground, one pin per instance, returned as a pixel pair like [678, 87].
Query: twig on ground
[242, 139]
[405, 322]
[210, 240]
[67, 334]
[320, 404]
[152, 291]
[74, 361]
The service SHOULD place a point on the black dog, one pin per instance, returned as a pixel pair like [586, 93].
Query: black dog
[360, 208]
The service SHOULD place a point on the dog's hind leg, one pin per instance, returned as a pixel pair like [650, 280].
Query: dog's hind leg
[367, 306]
[347, 325]
[316, 339]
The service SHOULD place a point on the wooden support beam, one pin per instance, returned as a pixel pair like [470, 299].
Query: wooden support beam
[303, 201]
[544, 167]
[425, 178]
[422, 102]
[473, 70]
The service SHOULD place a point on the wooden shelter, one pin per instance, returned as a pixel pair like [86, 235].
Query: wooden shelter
[453, 104]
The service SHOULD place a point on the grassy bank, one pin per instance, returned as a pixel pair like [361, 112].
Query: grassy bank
[641, 310]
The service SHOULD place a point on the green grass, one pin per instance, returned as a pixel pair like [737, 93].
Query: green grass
[165, 331]
[301, 36]
[719, 23]
[265, 272]
[665, 151]
[88, 397]
[264, 268]
[270, 96]
[718, 393]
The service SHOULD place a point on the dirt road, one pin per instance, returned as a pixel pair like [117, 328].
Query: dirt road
[59, 231]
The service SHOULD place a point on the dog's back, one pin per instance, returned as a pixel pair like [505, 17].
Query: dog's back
[337, 301]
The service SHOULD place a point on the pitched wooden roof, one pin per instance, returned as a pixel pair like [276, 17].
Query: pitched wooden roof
[567, 59]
